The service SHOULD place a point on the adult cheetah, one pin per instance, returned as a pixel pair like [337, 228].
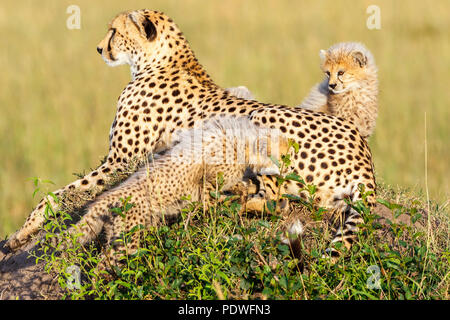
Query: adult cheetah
[228, 146]
[170, 90]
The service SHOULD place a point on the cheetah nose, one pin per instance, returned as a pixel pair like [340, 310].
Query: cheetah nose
[99, 50]
[332, 85]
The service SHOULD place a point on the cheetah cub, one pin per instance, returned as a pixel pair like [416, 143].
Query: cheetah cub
[350, 89]
[226, 145]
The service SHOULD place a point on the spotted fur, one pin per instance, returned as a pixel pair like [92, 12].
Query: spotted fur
[228, 147]
[170, 90]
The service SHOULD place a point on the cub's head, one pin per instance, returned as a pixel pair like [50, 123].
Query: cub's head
[346, 64]
[140, 38]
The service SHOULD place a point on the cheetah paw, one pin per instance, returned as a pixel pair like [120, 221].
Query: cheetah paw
[15, 242]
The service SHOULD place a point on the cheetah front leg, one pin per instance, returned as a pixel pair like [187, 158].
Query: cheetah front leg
[123, 240]
[97, 217]
[95, 181]
[119, 241]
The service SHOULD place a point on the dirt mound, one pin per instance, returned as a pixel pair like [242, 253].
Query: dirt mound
[21, 278]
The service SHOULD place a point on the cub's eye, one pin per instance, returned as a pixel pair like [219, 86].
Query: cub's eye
[327, 73]
[340, 73]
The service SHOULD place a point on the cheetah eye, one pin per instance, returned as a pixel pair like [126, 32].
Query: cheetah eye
[340, 73]
[327, 73]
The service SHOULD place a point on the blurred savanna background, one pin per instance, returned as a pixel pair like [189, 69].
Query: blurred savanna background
[58, 98]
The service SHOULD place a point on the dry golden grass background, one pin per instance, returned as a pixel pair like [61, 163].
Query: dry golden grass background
[58, 98]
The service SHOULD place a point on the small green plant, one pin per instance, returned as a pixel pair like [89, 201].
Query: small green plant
[220, 253]
[306, 193]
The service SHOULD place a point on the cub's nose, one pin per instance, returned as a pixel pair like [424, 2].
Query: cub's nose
[332, 85]
[99, 50]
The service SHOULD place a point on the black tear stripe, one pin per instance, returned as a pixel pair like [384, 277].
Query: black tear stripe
[109, 44]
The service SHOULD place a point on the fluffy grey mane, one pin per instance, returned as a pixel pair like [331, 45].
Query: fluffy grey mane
[211, 135]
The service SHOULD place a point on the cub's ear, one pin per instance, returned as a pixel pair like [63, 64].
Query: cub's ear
[323, 55]
[144, 25]
[359, 58]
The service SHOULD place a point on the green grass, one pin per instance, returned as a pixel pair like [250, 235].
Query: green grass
[402, 252]
[58, 97]
[222, 254]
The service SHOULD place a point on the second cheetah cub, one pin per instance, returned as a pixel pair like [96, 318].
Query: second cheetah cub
[350, 89]
[228, 146]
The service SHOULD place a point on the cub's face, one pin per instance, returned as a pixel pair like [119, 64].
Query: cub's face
[135, 38]
[343, 70]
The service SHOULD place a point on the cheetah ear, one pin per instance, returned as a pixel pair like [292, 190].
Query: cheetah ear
[144, 25]
[359, 58]
[323, 54]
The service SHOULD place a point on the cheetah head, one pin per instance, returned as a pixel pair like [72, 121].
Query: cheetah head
[346, 64]
[140, 38]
